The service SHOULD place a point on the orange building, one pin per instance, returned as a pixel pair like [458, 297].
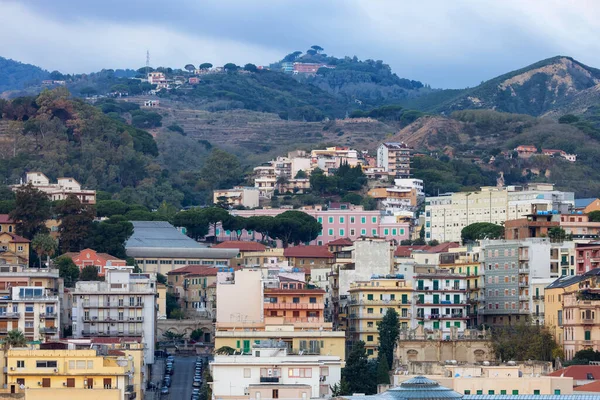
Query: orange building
[296, 303]
[91, 257]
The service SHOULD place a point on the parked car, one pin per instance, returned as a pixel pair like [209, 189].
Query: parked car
[167, 382]
[164, 390]
[197, 383]
[171, 359]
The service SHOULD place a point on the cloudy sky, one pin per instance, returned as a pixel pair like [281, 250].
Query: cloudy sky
[446, 43]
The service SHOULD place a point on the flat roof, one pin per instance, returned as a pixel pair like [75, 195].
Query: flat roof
[159, 234]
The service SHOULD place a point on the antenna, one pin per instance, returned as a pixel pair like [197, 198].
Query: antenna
[147, 62]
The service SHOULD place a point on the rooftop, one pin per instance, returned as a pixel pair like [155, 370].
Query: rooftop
[568, 280]
[579, 372]
[340, 242]
[583, 203]
[5, 219]
[308, 252]
[241, 245]
[590, 387]
[159, 234]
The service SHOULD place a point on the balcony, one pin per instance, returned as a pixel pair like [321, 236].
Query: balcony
[523, 284]
[523, 270]
[129, 388]
[49, 330]
[9, 315]
[587, 321]
[48, 315]
[294, 306]
[523, 298]
[296, 320]
[539, 297]
[269, 379]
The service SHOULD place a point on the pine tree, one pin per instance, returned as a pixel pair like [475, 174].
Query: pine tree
[383, 370]
[389, 330]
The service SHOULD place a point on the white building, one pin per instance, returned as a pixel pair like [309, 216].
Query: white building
[60, 190]
[124, 305]
[446, 215]
[395, 158]
[269, 372]
[238, 196]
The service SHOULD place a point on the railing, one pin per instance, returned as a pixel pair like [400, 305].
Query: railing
[10, 315]
[300, 319]
[48, 315]
[523, 270]
[523, 284]
[269, 379]
[49, 330]
[523, 298]
[293, 306]
[129, 388]
[587, 321]
[538, 297]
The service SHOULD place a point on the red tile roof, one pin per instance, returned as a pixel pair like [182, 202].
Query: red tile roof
[590, 387]
[241, 246]
[443, 247]
[307, 252]
[5, 219]
[578, 372]
[405, 251]
[341, 242]
[17, 238]
[194, 269]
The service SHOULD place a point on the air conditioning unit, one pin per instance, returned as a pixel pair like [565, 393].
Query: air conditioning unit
[64, 383]
[55, 369]
[12, 368]
[270, 372]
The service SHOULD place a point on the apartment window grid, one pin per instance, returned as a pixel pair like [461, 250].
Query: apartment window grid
[502, 284]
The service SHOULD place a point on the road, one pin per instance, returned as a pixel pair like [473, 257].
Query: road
[181, 381]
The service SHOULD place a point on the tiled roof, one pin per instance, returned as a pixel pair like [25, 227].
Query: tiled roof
[443, 247]
[405, 251]
[5, 219]
[241, 246]
[17, 238]
[194, 269]
[578, 372]
[308, 252]
[341, 242]
[106, 256]
[590, 387]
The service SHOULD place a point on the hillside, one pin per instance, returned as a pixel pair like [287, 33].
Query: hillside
[548, 86]
[15, 75]
[474, 136]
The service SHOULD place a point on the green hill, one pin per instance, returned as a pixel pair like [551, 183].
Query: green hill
[16, 76]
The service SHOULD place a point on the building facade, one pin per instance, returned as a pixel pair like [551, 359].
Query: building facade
[99, 260]
[33, 310]
[238, 196]
[395, 158]
[60, 190]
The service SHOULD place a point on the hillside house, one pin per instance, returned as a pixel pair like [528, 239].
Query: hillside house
[91, 257]
[151, 103]
[526, 151]
[60, 190]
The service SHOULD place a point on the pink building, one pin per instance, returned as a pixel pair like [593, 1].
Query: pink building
[349, 223]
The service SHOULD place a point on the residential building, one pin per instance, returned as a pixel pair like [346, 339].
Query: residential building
[441, 301]
[60, 190]
[331, 158]
[70, 374]
[297, 186]
[559, 153]
[576, 225]
[270, 372]
[395, 158]
[14, 249]
[526, 151]
[91, 257]
[352, 222]
[269, 257]
[446, 215]
[157, 78]
[281, 171]
[587, 257]
[581, 374]
[244, 315]
[538, 310]
[309, 68]
[246, 249]
[151, 103]
[587, 205]
[122, 305]
[238, 196]
[369, 302]
[33, 310]
[405, 195]
[7, 224]
[308, 256]
[158, 247]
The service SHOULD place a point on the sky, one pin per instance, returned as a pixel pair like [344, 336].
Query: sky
[443, 43]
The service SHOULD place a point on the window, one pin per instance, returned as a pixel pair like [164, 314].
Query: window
[363, 220]
[536, 391]
[341, 220]
[401, 231]
[351, 220]
[330, 220]
[330, 232]
[480, 392]
[369, 311]
[342, 233]
[107, 383]
[363, 232]
[71, 382]
[369, 338]
[503, 391]
[374, 232]
[369, 297]
[588, 335]
[275, 393]
[320, 220]
[46, 382]
[369, 352]
[352, 232]
[556, 391]
[515, 392]
[45, 364]
[324, 371]
[491, 391]
[312, 300]
[296, 300]
[467, 392]
[247, 373]
[394, 231]
[20, 249]
[386, 232]
[20, 363]
[374, 220]
[299, 372]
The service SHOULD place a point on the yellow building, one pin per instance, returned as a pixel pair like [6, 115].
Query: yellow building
[572, 308]
[69, 374]
[369, 302]
[15, 249]
[161, 301]
[7, 224]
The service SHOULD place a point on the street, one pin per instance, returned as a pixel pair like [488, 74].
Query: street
[182, 378]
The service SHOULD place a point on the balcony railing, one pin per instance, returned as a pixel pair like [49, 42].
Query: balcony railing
[269, 379]
[523, 284]
[129, 388]
[587, 321]
[49, 330]
[381, 302]
[538, 297]
[294, 306]
[523, 270]
[292, 320]
[10, 315]
[48, 315]
[523, 298]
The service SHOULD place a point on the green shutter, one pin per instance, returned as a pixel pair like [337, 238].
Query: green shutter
[404, 299]
[436, 299]
[436, 324]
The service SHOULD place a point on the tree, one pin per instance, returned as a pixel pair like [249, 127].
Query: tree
[75, 223]
[67, 270]
[15, 338]
[317, 48]
[172, 304]
[296, 227]
[250, 67]
[369, 203]
[206, 66]
[214, 215]
[194, 221]
[522, 342]
[594, 216]
[389, 330]
[108, 208]
[352, 198]
[89, 273]
[356, 374]
[160, 278]
[340, 389]
[433, 243]
[177, 314]
[196, 335]
[235, 224]
[261, 224]
[301, 174]
[109, 236]
[32, 209]
[557, 233]
[383, 370]
[189, 67]
[206, 388]
[230, 67]
[480, 231]
[170, 335]
[221, 170]
[44, 245]
[587, 355]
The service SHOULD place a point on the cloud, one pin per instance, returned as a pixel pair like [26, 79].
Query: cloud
[446, 44]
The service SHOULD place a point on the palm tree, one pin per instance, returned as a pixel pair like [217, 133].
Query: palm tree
[15, 338]
[44, 245]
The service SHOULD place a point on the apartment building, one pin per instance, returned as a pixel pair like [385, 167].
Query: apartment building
[395, 158]
[159, 247]
[60, 190]
[446, 215]
[572, 307]
[99, 260]
[70, 374]
[270, 372]
[441, 301]
[576, 225]
[7, 224]
[351, 222]
[369, 302]
[247, 312]
[331, 158]
[33, 310]
[587, 257]
[124, 305]
[238, 196]
[14, 249]
[195, 287]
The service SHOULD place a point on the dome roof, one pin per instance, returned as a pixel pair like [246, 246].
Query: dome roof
[420, 387]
